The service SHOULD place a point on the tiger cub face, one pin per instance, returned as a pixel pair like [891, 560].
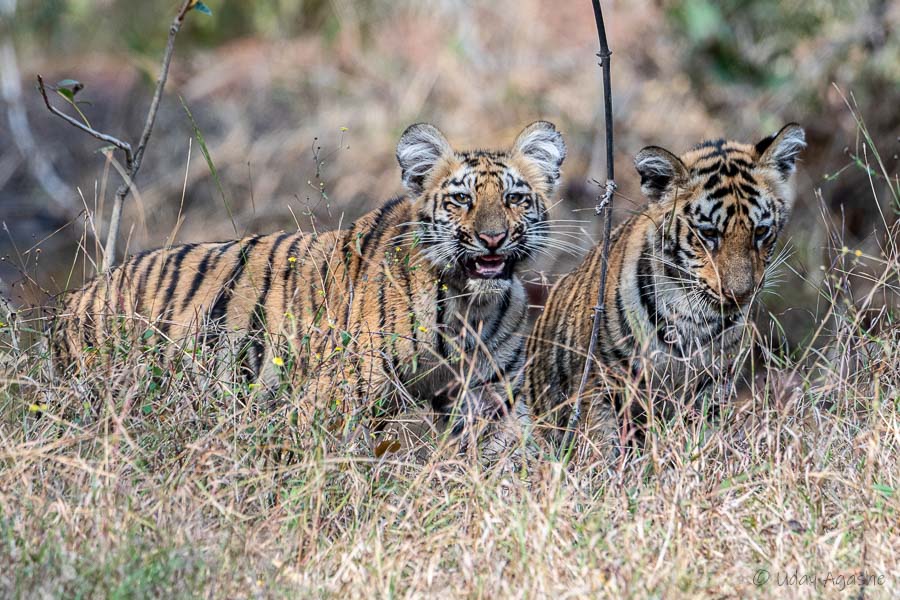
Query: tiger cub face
[723, 205]
[481, 213]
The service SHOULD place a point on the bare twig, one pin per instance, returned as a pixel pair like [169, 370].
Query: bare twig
[604, 205]
[134, 157]
[103, 137]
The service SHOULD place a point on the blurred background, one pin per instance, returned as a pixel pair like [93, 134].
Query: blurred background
[301, 103]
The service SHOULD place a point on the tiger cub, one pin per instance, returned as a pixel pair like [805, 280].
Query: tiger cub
[418, 299]
[682, 274]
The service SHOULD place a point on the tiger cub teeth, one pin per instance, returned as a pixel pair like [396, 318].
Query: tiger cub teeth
[489, 267]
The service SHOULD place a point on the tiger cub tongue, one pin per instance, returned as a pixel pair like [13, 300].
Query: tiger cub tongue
[489, 266]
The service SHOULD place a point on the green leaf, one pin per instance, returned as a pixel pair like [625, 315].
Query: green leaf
[73, 84]
[885, 490]
[69, 87]
[66, 93]
[200, 7]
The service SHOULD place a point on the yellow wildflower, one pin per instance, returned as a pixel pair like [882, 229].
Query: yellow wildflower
[278, 361]
[423, 329]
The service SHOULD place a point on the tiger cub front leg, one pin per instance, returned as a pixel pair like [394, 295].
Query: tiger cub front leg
[470, 415]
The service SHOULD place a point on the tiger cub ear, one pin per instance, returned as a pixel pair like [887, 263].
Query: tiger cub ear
[420, 148]
[781, 150]
[544, 146]
[660, 171]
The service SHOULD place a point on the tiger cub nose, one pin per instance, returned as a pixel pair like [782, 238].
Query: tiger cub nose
[492, 239]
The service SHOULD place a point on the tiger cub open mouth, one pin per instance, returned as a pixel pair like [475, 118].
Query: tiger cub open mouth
[489, 266]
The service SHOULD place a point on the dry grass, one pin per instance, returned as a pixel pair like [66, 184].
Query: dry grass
[163, 483]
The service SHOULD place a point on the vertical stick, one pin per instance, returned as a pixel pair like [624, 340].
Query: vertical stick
[132, 159]
[605, 207]
[109, 250]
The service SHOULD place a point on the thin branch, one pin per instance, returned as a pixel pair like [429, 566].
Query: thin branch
[161, 83]
[133, 158]
[604, 205]
[103, 137]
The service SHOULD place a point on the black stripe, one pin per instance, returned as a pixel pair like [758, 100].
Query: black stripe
[720, 193]
[407, 284]
[709, 169]
[141, 288]
[627, 334]
[134, 263]
[90, 321]
[732, 169]
[712, 182]
[289, 267]
[165, 323]
[500, 314]
[382, 325]
[439, 334]
[501, 372]
[380, 223]
[258, 317]
[324, 272]
[510, 331]
[220, 306]
[270, 267]
[646, 292]
[252, 346]
[561, 374]
[199, 276]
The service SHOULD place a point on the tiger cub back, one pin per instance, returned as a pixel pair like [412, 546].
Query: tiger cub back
[417, 300]
[682, 275]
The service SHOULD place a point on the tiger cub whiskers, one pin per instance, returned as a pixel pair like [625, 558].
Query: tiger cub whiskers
[366, 317]
[682, 275]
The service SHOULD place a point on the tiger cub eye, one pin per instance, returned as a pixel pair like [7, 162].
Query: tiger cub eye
[709, 232]
[462, 198]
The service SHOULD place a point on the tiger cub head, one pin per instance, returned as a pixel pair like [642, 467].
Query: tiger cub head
[722, 206]
[480, 212]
